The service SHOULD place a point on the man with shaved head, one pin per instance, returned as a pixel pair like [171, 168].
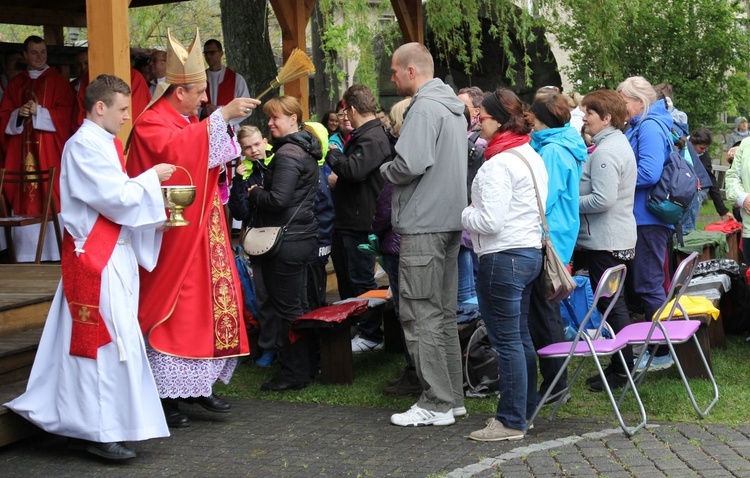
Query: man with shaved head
[428, 197]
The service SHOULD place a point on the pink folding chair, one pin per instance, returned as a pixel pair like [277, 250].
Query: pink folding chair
[586, 346]
[669, 331]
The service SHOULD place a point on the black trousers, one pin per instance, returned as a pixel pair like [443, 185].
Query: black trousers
[546, 327]
[283, 276]
[598, 262]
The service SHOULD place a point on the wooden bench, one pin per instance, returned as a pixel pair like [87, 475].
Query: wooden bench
[336, 359]
[710, 335]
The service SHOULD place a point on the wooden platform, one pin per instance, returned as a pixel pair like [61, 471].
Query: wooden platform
[26, 292]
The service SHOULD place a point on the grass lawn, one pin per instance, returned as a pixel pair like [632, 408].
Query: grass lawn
[663, 393]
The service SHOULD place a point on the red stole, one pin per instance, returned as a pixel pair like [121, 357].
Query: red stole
[505, 140]
[191, 303]
[82, 282]
[34, 149]
[226, 89]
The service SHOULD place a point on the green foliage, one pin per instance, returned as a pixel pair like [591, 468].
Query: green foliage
[691, 44]
[349, 30]
[738, 92]
[148, 25]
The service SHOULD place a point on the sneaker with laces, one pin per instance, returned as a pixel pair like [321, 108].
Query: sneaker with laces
[360, 344]
[459, 412]
[417, 416]
[496, 431]
[659, 362]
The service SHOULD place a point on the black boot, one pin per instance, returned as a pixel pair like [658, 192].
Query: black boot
[175, 418]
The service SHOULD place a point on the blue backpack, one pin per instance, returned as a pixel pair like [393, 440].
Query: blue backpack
[673, 194]
[576, 306]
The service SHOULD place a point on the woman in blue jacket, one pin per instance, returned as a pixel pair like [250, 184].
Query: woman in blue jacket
[564, 152]
[650, 122]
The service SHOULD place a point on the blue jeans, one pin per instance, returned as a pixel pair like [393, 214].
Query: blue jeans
[466, 289]
[688, 219]
[503, 289]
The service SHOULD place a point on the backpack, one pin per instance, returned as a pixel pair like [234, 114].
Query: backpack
[481, 376]
[673, 194]
[574, 309]
[475, 161]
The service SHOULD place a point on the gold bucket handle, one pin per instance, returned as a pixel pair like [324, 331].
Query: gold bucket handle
[186, 172]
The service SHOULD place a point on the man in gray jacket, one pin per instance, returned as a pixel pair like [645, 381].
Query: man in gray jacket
[429, 174]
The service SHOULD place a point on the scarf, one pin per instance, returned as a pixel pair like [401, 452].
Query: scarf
[505, 140]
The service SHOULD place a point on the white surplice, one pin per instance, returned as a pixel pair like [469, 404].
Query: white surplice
[114, 397]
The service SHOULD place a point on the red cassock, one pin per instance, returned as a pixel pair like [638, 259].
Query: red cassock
[191, 304]
[33, 149]
[139, 97]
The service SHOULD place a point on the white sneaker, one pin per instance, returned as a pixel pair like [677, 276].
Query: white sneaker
[360, 345]
[417, 417]
[459, 411]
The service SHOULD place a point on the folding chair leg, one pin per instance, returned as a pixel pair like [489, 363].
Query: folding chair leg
[616, 404]
[701, 413]
[546, 395]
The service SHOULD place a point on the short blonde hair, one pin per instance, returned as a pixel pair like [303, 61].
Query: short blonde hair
[638, 88]
[248, 131]
[397, 115]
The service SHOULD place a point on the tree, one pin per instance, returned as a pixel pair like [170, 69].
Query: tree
[247, 47]
[148, 25]
[691, 44]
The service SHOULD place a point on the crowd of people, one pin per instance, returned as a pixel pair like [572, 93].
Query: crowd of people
[451, 229]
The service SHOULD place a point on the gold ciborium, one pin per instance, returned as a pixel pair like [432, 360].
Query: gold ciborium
[177, 198]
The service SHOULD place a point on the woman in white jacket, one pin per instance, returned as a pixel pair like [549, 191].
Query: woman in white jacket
[504, 221]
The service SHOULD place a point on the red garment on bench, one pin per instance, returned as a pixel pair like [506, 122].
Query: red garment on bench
[336, 313]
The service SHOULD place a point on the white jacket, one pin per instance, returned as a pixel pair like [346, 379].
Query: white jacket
[503, 213]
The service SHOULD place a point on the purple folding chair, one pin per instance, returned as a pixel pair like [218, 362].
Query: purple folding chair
[586, 346]
[669, 331]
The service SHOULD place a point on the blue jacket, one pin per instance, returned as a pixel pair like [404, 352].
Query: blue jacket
[564, 153]
[651, 146]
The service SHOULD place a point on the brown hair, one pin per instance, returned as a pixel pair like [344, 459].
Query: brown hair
[288, 105]
[519, 119]
[104, 88]
[361, 98]
[551, 109]
[607, 102]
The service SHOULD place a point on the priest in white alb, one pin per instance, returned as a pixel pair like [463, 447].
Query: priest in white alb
[91, 378]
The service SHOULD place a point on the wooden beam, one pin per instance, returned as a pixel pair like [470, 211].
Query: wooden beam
[293, 16]
[109, 43]
[54, 35]
[410, 19]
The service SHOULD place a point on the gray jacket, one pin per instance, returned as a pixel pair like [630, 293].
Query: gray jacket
[607, 189]
[429, 168]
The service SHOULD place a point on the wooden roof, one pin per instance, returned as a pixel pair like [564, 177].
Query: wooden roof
[69, 13]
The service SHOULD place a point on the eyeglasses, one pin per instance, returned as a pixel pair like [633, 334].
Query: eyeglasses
[341, 115]
[484, 117]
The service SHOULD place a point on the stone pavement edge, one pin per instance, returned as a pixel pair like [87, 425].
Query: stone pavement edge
[270, 439]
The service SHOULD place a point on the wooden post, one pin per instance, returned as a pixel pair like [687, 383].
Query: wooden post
[109, 43]
[410, 19]
[293, 16]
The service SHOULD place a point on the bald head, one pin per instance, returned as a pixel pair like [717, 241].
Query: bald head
[416, 55]
[411, 67]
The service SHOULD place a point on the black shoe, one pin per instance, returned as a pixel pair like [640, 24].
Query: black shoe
[614, 379]
[281, 386]
[407, 372]
[212, 403]
[175, 418]
[407, 384]
[608, 370]
[110, 451]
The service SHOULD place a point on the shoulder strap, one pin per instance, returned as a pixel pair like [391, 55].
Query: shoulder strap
[300, 205]
[536, 189]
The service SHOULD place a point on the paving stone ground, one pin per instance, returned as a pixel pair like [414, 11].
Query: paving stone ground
[277, 439]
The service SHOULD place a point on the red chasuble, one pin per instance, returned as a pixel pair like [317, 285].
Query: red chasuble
[191, 304]
[34, 149]
[226, 89]
[139, 97]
